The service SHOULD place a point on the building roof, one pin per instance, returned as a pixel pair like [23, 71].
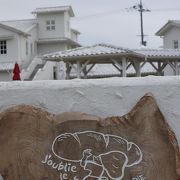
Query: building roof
[75, 31]
[102, 67]
[159, 53]
[19, 26]
[95, 50]
[106, 49]
[57, 40]
[45, 10]
[167, 26]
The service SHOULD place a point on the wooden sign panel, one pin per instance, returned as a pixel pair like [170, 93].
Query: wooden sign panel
[35, 144]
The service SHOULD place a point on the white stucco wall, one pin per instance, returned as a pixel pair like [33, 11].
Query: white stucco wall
[59, 24]
[103, 97]
[172, 34]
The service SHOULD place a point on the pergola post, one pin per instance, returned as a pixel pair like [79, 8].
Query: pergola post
[68, 70]
[176, 68]
[124, 65]
[78, 69]
[84, 68]
[137, 67]
[58, 70]
[85, 72]
[159, 69]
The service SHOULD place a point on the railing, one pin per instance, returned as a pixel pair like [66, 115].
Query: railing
[46, 73]
[26, 73]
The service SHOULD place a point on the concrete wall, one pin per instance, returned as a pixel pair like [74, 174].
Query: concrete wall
[104, 97]
[172, 34]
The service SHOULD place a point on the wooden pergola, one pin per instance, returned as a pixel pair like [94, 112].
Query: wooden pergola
[83, 59]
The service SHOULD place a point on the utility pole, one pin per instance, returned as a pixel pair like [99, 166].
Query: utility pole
[139, 7]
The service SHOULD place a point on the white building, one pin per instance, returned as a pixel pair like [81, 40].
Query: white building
[23, 41]
[170, 33]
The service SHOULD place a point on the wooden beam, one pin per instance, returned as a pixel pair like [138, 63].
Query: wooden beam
[78, 72]
[153, 66]
[137, 68]
[58, 70]
[164, 65]
[159, 68]
[85, 72]
[120, 70]
[84, 65]
[142, 65]
[171, 65]
[90, 68]
[176, 68]
[124, 65]
[128, 65]
[117, 63]
[68, 70]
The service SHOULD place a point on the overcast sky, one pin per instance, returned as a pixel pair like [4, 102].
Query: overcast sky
[104, 21]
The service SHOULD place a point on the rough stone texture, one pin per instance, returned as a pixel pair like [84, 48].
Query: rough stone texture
[38, 145]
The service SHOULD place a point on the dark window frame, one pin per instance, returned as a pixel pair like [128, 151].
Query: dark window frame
[175, 44]
[50, 25]
[3, 47]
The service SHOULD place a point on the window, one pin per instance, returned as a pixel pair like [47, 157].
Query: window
[3, 47]
[50, 25]
[175, 44]
[27, 48]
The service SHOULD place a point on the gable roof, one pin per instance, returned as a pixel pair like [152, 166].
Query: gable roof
[45, 10]
[95, 50]
[167, 26]
[19, 26]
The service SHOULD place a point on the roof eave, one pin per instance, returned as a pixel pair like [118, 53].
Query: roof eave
[14, 30]
[93, 56]
[71, 12]
[165, 28]
[69, 9]
[75, 31]
[160, 58]
[70, 41]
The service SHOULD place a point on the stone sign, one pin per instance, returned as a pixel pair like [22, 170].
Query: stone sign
[75, 146]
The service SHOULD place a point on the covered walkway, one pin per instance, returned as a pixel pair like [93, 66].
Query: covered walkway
[80, 61]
